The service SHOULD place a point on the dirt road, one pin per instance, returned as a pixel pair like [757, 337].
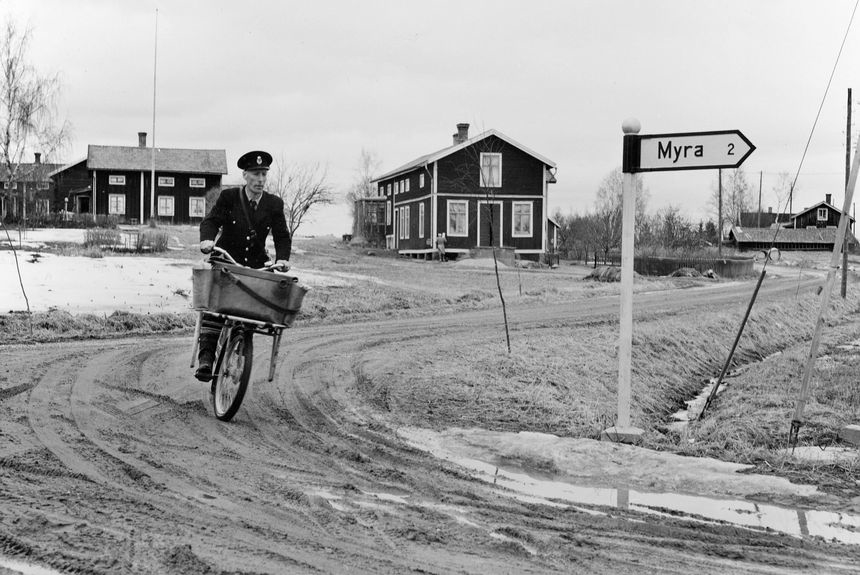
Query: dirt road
[111, 463]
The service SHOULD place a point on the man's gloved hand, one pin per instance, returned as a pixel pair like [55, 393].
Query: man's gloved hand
[282, 265]
[206, 246]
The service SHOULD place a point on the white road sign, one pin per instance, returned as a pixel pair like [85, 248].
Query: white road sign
[690, 151]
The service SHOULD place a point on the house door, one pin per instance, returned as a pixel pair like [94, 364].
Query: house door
[490, 225]
[83, 204]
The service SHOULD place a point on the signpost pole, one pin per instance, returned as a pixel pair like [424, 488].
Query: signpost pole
[623, 432]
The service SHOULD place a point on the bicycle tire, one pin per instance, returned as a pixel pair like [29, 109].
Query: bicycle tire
[233, 371]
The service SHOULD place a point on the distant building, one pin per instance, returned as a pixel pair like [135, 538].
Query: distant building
[812, 228]
[116, 181]
[484, 191]
[30, 181]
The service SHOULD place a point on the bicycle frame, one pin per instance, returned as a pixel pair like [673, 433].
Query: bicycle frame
[232, 322]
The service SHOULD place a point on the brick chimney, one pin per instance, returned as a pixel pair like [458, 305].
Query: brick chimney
[141, 139]
[38, 157]
[462, 134]
[827, 198]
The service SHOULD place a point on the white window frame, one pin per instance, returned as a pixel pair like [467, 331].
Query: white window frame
[168, 203]
[421, 220]
[116, 204]
[43, 206]
[196, 182]
[494, 182]
[166, 181]
[388, 188]
[514, 232]
[403, 232]
[381, 191]
[453, 231]
[821, 216]
[114, 180]
[387, 213]
[7, 184]
[43, 185]
[406, 183]
[421, 180]
[196, 206]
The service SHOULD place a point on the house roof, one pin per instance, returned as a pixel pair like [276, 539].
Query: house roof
[27, 171]
[139, 158]
[439, 154]
[65, 167]
[815, 207]
[810, 235]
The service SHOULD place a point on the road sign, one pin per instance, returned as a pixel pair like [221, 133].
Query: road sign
[685, 151]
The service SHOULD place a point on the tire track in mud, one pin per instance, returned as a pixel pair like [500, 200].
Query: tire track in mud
[308, 479]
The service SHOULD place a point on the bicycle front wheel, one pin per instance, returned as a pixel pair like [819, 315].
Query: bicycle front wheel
[232, 374]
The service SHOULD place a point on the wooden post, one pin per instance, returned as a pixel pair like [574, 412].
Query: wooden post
[720, 212]
[623, 431]
[847, 175]
[797, 421]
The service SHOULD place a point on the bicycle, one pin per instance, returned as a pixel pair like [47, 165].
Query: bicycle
[244, 312]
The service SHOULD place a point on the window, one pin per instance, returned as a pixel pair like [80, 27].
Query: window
[458, 218]
[116, 203]
[522, 219]
[7, 185]
[404, 223]
[421, 180]
[421, 220]
[491, 170]
[43, 206]
[165, 181]
[116, 180]
[822, 214]
[387, 214]
[165, 205]
[388, 187]
[406, 183]
[196, 207]
[196, 182]
[381, 191]
[43, 185]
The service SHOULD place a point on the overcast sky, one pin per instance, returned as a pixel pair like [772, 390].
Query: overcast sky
[318, 81]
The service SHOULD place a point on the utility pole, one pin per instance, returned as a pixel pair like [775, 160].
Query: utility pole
[720, 212]
[847, 174]
[759, 199]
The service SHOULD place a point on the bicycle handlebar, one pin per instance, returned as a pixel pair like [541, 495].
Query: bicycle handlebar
[270, 267]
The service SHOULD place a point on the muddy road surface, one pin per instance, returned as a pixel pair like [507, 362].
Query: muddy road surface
[110, 462]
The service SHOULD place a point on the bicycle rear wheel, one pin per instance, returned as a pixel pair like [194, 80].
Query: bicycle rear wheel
[233, 371]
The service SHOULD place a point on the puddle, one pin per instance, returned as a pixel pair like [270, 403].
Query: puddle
[526, 485]
[25, 568]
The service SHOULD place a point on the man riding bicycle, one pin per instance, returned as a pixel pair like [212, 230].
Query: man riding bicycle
[244, 216]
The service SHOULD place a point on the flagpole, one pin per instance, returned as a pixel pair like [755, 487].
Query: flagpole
[154, 71]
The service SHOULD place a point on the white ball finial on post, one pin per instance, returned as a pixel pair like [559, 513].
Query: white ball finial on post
[631, 126]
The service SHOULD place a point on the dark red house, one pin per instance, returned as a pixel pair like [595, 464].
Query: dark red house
[117, 181]
[484, 191]
[29, 191]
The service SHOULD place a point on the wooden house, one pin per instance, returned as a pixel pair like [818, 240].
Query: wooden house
[28, 191]
[813, 228]
[488, 190]
[117, 181]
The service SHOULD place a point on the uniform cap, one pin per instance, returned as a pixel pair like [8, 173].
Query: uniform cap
[255, 160]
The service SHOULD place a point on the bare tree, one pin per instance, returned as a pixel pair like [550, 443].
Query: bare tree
[735, 197]
[28, 108]
[28, 111]
[608, 206]
[362, 187]
[302, 187]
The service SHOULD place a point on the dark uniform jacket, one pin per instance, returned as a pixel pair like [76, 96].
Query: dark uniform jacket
[247, 244]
